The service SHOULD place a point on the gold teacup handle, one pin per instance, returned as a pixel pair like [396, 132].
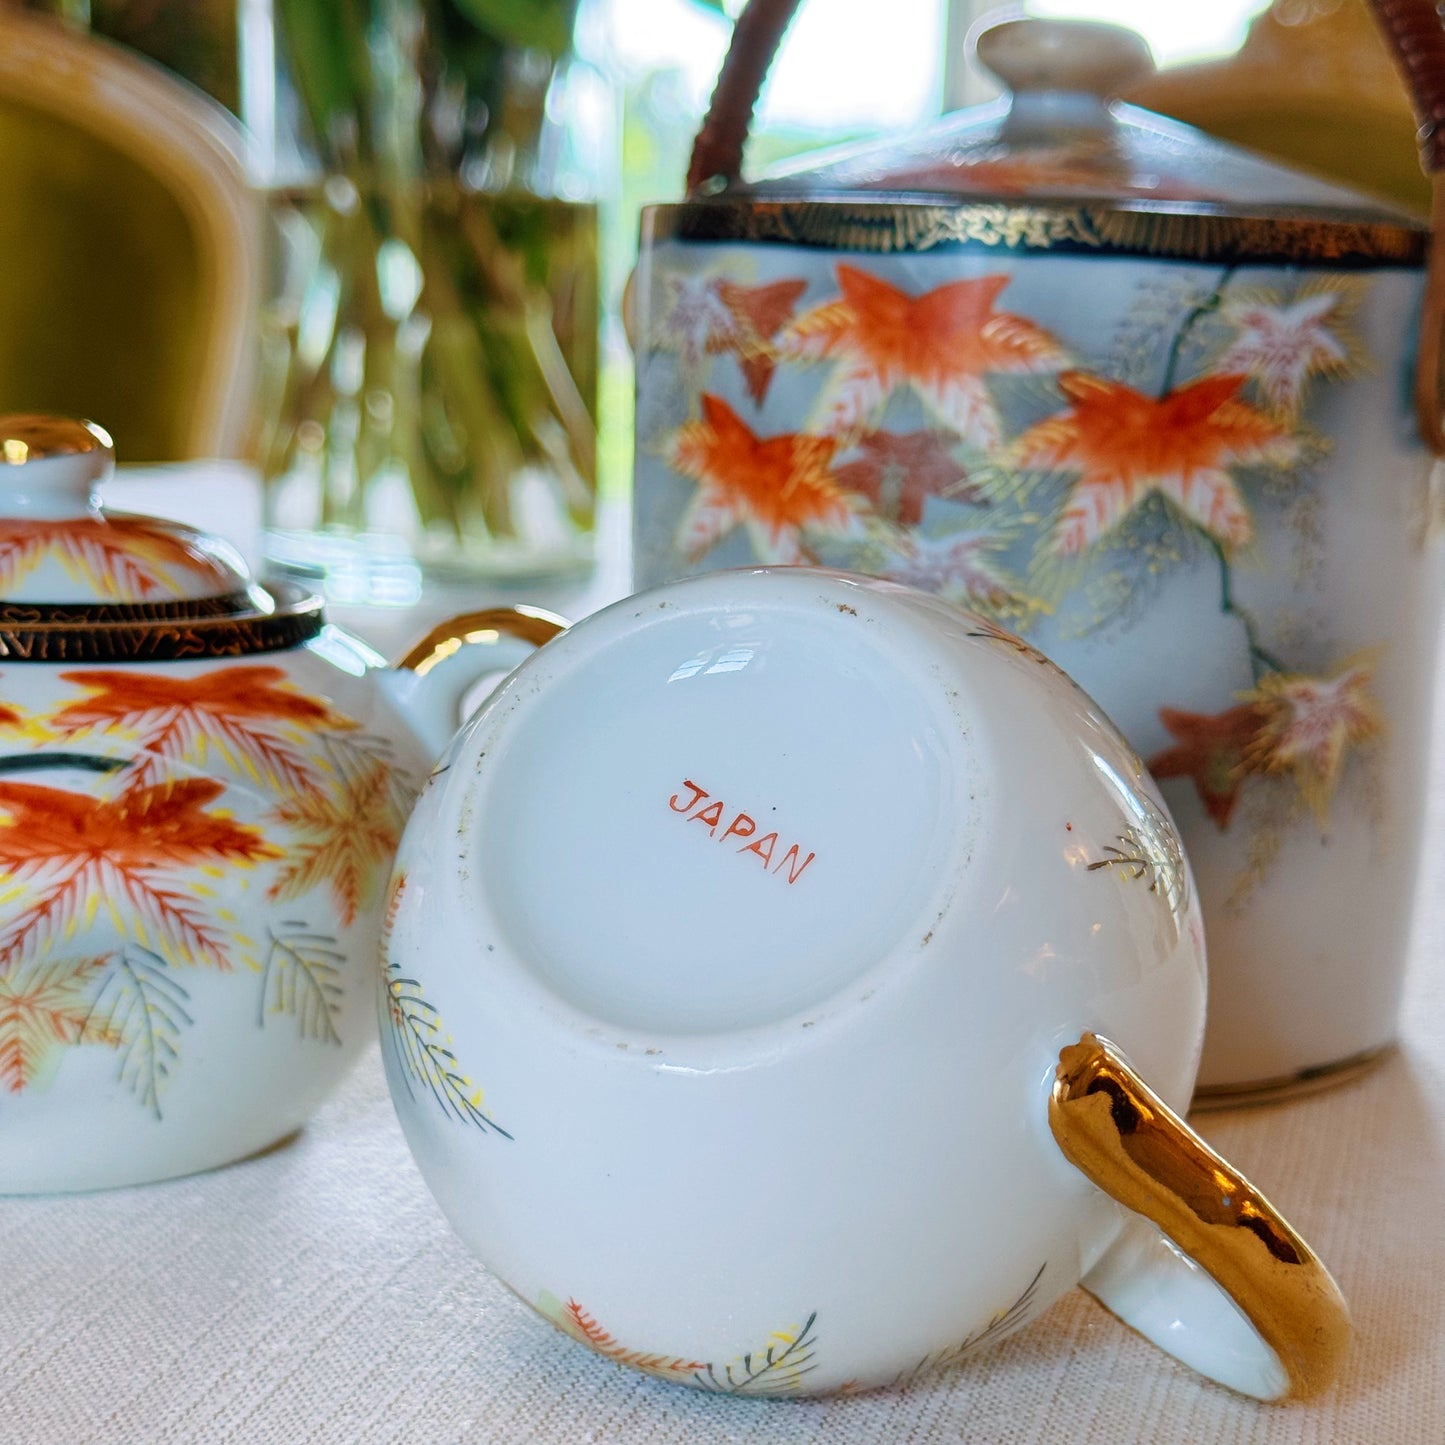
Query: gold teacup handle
[434, 676]
[1288, 1327]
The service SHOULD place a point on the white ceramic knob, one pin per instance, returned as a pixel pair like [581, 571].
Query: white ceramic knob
[49, 466]
[1078, 55]
[1062, 73]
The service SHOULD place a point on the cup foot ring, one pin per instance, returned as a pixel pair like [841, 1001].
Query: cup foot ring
[1289, 1086]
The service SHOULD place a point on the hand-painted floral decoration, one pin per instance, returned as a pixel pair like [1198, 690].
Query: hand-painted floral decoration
[712, 316]
[1300, 727]
[961, 447]
[778, 1367]
[1122, 445]
[899, 471]
[123, 560]
[108, 896]
[413, 1033]
[780, 488]
[1215, 751]
[942, 345]
[1311, 723]
[961, 565]
[1285, 344]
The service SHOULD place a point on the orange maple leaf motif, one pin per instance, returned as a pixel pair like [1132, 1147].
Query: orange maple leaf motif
[44, 1006]
[78, 850]
[348, 834]
[242, 710]
[713, 316]
[777, 487]
[1125, 445]
[942, 344]
[899, 471]
[760, 313]
[1214, 751]
[1309, 725]
[121, 560]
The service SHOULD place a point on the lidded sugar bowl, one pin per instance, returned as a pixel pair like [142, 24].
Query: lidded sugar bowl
[202, 784]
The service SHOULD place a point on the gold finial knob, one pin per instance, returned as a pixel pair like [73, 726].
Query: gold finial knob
[33, 438]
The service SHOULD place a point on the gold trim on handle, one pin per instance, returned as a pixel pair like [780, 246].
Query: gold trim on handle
[1122, 1137]
[527, 624]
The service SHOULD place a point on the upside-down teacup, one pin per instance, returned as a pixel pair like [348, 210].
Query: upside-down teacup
[765, 974]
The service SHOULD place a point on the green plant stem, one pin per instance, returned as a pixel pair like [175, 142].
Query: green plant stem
[1260, 660]
[474, 386]
[1208, 306]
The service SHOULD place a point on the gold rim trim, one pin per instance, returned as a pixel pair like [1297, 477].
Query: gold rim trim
[1179, 231]
[1288, 1086]
[295, 618]
[1122, 1137]
[527, 624]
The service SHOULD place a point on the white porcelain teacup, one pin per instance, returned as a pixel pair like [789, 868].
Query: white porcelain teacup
[747, 974]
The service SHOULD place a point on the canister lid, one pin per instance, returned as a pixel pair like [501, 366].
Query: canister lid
[1061, 134]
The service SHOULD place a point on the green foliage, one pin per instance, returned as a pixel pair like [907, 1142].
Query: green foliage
[331, 65]
[537, 24]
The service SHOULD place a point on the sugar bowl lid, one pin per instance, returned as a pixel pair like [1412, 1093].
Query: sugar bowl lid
[81, 583]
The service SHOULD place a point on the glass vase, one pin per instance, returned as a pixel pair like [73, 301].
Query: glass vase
[428, 347]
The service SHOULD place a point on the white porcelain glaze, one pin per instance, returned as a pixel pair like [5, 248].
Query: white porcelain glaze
[1146, 399]
[187, 939]
[729, 956]
[193, 849]
[1302, 651]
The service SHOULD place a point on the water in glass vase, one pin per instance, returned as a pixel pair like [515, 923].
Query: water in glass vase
[429, 378]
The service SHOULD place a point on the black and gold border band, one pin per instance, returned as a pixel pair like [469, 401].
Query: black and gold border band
[1177, 231]
[79, 614]
[297, 618]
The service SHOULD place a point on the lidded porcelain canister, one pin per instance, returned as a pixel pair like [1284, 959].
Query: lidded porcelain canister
[1143, 398]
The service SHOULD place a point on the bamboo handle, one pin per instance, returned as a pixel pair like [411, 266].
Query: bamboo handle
[1416, 35]
[717, 153]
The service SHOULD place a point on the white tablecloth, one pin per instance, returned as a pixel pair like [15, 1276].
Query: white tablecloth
[315, 1294]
